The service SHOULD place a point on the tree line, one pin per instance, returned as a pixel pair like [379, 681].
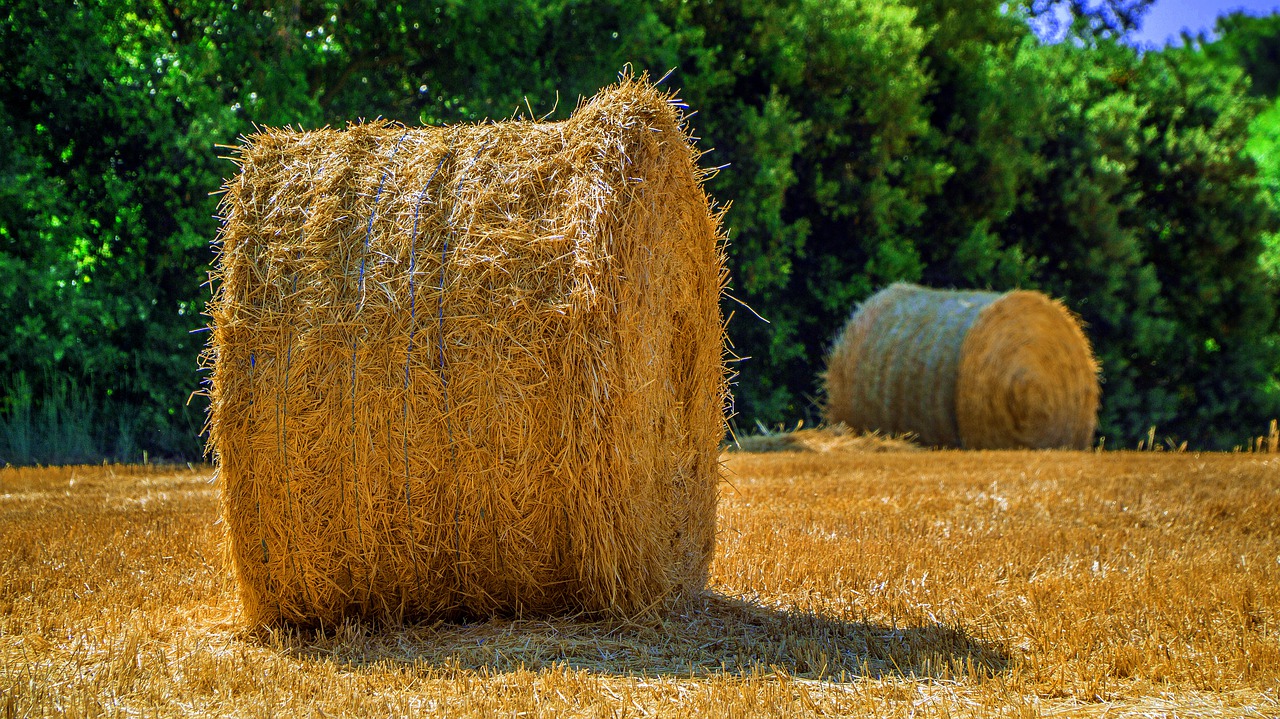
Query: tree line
[866, 141]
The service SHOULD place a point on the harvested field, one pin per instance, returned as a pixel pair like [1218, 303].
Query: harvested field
[867, 584]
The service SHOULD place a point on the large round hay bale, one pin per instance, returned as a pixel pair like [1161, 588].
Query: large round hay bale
[979, 370]
[469, 370]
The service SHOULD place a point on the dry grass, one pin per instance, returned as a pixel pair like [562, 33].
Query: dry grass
[865, 584]
[826, 438]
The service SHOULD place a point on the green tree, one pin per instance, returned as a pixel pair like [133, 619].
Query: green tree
[1146, 215]
[103, 233]
[814, 107]
[987, 118]
[109, 124]
[866, 141]
[1251, 43]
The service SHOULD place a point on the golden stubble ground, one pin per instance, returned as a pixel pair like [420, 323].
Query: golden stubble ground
[846, 583]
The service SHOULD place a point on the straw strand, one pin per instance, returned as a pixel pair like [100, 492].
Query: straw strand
[284, 448]
[444, 377]
[355, 471]
[408, 358]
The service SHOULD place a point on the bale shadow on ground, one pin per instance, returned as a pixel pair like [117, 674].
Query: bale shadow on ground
[711, 635]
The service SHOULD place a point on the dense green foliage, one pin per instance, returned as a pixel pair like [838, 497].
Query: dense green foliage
[1253, 44]
[866, 141]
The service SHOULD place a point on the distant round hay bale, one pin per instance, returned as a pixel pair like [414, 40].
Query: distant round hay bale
[469, 370]
[979, 370]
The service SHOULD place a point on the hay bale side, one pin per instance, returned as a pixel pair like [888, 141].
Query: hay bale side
[469, 370]
[979, 370]
[895, 365]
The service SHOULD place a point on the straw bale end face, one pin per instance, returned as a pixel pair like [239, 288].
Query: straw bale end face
[470, 370]
[979, 370]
